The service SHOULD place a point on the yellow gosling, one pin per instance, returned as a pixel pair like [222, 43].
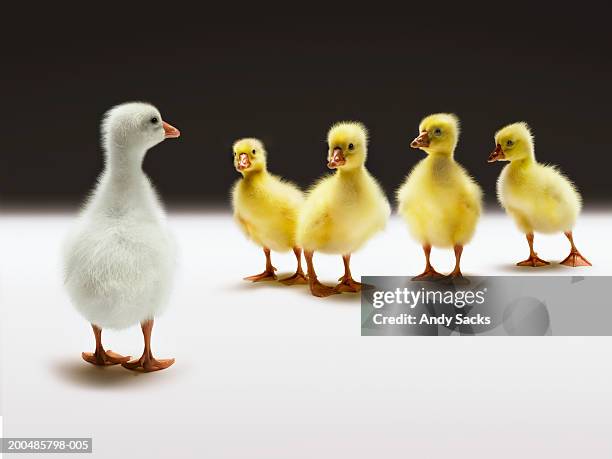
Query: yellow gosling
[344, 210]
[439, 200]
[266, 208]
[537, 196]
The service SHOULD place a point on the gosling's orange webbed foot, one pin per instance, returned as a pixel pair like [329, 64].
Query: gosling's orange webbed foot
[455, 278]
[575, 259]
[320, 290]
[350, 285]
[429, 274]
[267, 275]
[147, 364]
[104, 358]
[533, 261]
[298, 278]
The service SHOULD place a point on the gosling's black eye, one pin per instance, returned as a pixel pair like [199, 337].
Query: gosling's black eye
[509, 143]
[253, 152]
[351, 146]
[154, 120]
[438, 131]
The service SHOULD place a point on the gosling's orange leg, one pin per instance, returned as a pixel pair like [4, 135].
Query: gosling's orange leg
[147, 362]
[268, 274]
[316, 287]
[533, 259]
[574, 258]
[347, 283]
[100, 356]
[430, 273]
[299, 277]
[456, 276]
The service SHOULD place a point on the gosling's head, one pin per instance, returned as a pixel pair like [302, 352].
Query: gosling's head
[348, 145]
[438, 134]
[249, 156]
[135, 126]
[512, 143]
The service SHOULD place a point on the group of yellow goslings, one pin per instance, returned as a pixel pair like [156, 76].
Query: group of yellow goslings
[440, 202]
[119, 260]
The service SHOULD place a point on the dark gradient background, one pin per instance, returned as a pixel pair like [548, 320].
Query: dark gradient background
[219, 75]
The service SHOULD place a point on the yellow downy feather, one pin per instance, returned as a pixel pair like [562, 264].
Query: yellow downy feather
[537, 196]
[265, 206]
[439, 200]
[344, 210]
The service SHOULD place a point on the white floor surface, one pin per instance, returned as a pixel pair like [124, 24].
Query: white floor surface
[267, 371]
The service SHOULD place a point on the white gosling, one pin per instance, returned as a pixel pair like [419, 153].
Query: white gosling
[120, 259]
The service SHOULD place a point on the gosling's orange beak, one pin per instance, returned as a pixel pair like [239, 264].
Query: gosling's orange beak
[497, 154]
[337, 159]
[170, 131]
[422, 141]
[243, 162]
